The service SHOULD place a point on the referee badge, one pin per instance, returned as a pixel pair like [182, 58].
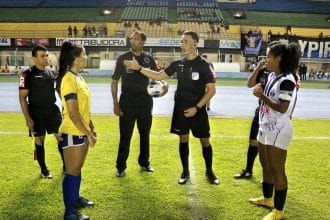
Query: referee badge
[195, 75]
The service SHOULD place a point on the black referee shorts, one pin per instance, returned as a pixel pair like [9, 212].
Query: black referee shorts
[199, 124]
[255, 125]
[45, 119]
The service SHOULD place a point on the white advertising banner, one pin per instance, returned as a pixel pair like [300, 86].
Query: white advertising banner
[230, 44]
[5, 42]
[94, 42]
[168, 42]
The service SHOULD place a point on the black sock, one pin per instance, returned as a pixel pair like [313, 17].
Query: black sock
[251, 156]
[184, 155]
[60, 150]
[41, 156]
[207, 154]
[267, 189]
[279, 199]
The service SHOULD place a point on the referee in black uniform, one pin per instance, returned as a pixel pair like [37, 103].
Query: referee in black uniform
[196, 86]
[37, 99]
[135, 103]
[259, 75]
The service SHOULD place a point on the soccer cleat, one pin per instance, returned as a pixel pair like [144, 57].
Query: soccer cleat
[120, 173]
[212, 178]
[274, 215]
[76, 216]
[147, 169]
[183, 178]
[46, 174]
[262, 201]
[243, 175]
[83, 203]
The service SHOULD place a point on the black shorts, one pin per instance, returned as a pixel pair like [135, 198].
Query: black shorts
[45, 119]
[255, 125]
[199, 124]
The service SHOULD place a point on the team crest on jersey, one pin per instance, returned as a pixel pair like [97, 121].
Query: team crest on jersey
[146, 60]
[195, 75]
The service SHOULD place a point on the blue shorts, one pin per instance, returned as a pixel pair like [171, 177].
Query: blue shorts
[68, 140]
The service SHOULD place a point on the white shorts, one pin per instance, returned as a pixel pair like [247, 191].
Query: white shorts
[67, 140]
[277, 137]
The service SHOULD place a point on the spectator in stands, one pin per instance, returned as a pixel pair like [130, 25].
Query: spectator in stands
[321, 38]
[269, 36]
[75, 31]
[70, 31]
[85, 30]
[303, 72]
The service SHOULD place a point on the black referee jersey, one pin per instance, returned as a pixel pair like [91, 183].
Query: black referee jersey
[41, 86]
[133, 84]
[192, 76]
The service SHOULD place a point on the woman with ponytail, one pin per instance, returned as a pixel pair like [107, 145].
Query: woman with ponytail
[278, 100]
[77, 129]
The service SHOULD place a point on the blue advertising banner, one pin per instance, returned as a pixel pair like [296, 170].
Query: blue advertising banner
[310, 47]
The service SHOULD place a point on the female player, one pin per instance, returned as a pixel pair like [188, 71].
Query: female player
[77, 128]
[278, 100]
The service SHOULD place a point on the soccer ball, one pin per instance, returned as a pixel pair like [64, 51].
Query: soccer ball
[157, 88]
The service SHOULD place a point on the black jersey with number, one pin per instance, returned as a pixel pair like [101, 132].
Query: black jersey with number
[192, 76]
[41, 86]
[133, 83]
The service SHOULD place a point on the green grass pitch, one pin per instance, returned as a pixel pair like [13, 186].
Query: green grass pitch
[24, 195]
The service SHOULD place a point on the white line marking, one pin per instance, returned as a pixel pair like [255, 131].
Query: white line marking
[193, 194]
[213, 136]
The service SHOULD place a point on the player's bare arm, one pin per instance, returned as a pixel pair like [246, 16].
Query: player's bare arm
[280, 107]
[23, 94]
[253, 77]
[134, 65]
[114, 92]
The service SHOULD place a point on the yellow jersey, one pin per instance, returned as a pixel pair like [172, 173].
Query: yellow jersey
[74, 87]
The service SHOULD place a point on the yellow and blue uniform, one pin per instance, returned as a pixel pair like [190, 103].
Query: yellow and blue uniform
[74, 87]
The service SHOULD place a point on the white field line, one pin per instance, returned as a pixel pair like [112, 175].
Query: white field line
[213, 136]
[193, 194]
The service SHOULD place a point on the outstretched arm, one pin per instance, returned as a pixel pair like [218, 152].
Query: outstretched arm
[133, 64]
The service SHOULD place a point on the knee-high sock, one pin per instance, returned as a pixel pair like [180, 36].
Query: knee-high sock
[70, 185]
[279, 199]
[60, 150]
[184, 155]
[40, 151]
[267, 189]
[251, 156]
[207, 154]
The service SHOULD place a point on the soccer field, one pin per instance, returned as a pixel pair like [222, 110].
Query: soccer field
[157, 195]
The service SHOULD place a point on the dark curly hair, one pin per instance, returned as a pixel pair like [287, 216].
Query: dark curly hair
[290, 55]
